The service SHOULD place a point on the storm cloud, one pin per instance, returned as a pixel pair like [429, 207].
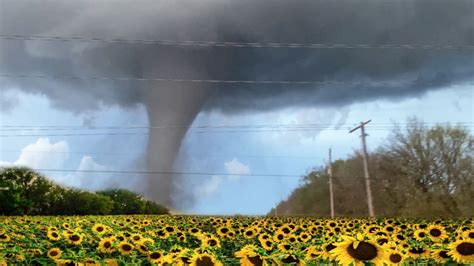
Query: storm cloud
[411, 71]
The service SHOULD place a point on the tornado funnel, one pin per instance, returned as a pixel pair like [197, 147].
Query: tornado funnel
[171, 110]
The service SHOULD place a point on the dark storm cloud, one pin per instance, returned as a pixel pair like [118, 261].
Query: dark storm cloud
[420, 22]
[347, 22]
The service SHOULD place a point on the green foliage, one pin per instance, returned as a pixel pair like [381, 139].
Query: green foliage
[420, 172]
[28, 192]
[127, 202]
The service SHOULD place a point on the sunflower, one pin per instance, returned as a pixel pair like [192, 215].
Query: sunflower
[440, 256]
[304, 237]
[418, 252]
[136, 238]
[125, 248]
[420, 234]
[222, 231]
[437, 233]
[284, 247]
[266, 244]
[54, 253]
[110, 262]
[462, 251]
[4, 237]
[211, 242]
[53, 236]
[183, 257]
[249, 233]
[326, 251]
[394, 257]
[99, 229]
[279, 236]
[357, 251]
[204, 259]
[312, 253]
[194, 231]
[468, 234]
[105, 245]
[155, 256]
[170, 229]
[249, 257]
[74, 238]
[290, 259]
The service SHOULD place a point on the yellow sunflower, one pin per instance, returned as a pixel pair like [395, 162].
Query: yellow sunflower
[437, 233]
[440, 256]
[54, 253]
[468, 234]
[222, 231]
[266, 244]
[420, 234]
[326, 251]
[155, 257]
[105, 245]
[125, 248]
[394, 257]
[279, 236]
[304, 237]
[204, 259]
[358, 251]
[74, 238]
[312, 253]
[136, 238]
[462, 251]
[54, 236]
[110, 262]
[99, 229]
[418, 252]
[4, 237]
[249, 233]
[211, 242]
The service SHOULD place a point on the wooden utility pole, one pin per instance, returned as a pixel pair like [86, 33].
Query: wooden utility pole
[366, 167]
[331, 195]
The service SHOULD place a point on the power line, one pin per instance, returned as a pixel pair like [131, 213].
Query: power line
[162, 173]
[237, 44]
[193, 132]
[303, 125]
[217, 81]
[128, 154]
[196, 132]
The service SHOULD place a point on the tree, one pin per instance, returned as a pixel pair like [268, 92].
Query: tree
[420, 172]
[27, 191]
[31, 193]
[127, 202]
[435, 164]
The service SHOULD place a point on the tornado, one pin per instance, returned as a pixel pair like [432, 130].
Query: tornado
[171, 110]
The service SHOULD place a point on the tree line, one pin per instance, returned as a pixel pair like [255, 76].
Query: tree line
[420, 171]
[26, 192]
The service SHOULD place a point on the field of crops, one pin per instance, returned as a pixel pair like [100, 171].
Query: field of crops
[191, 240]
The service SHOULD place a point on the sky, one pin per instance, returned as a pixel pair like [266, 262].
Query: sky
[174, 68]
[276, 152]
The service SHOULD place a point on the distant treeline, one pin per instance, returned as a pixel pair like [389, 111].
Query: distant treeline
[25, 192]
[420, 172]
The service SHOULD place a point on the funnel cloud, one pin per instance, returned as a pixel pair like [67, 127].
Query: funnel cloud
[434, 22]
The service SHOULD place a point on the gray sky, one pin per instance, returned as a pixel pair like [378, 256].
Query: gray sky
[244, 152]
[419, 75]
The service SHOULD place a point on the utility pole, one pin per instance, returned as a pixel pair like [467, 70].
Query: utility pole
[366, 167]
[330, 184]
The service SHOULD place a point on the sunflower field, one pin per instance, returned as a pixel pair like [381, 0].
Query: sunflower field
[199, 240]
